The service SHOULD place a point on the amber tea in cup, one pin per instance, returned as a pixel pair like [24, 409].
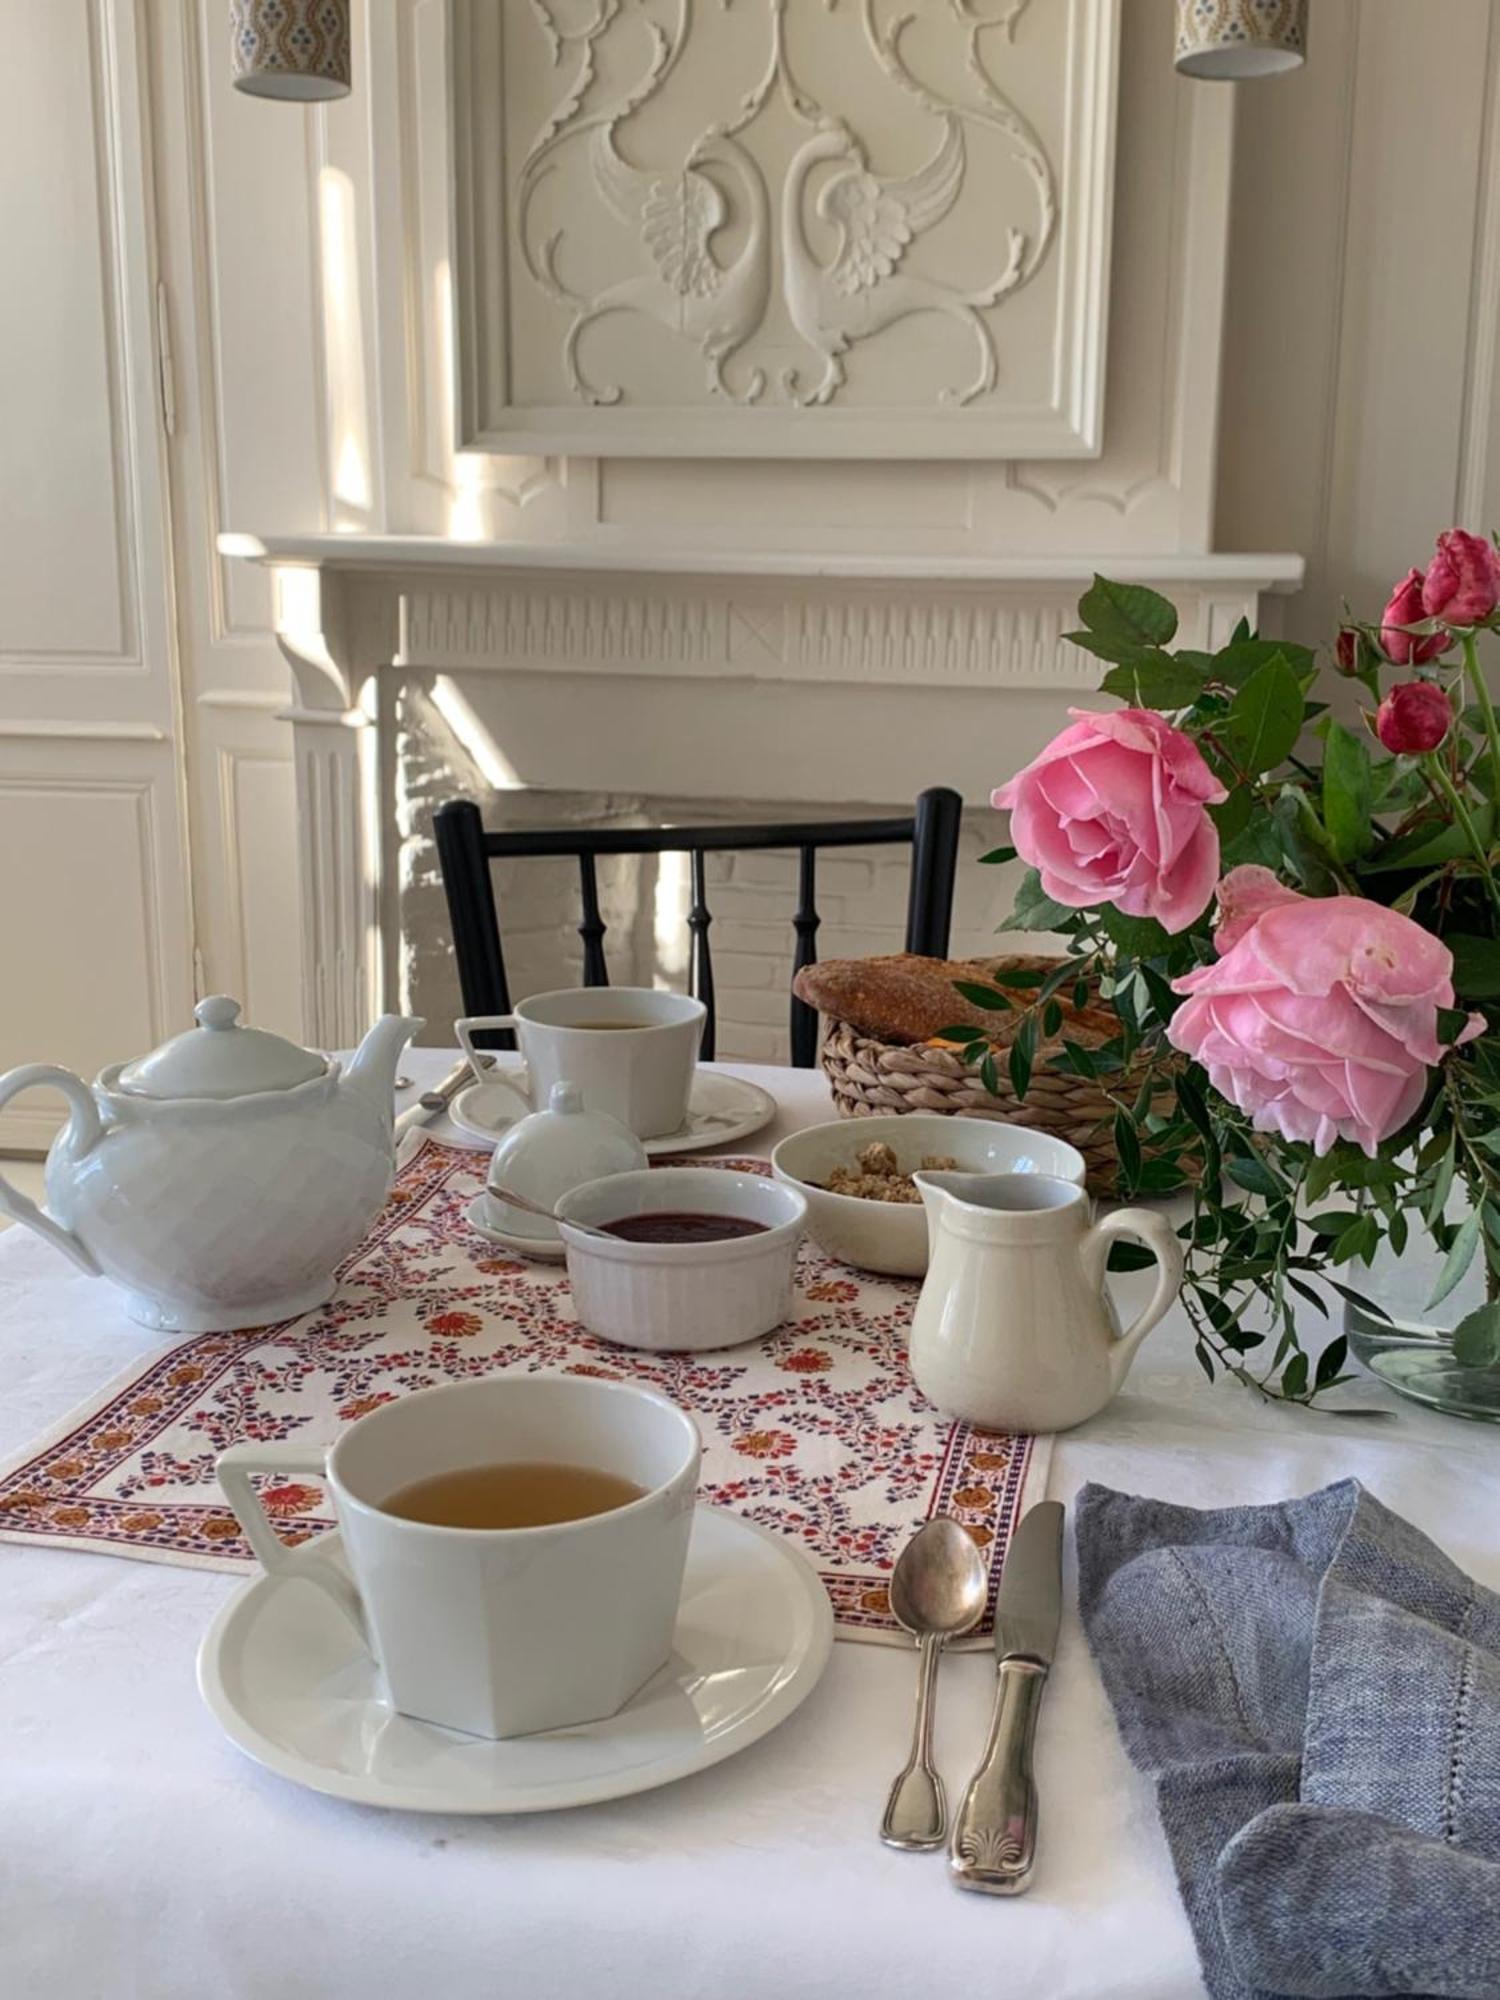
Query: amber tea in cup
[515, 1494]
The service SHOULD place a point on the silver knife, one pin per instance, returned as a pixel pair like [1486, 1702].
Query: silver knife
[431, 1102]
[994, 1833]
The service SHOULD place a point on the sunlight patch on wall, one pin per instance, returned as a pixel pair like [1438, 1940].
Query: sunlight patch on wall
[343, 346]
[669, 920]
[454, 706]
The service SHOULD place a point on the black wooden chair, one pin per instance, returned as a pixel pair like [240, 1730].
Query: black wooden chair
[465, 852]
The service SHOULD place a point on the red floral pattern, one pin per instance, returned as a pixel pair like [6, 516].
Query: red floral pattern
[817, 1432]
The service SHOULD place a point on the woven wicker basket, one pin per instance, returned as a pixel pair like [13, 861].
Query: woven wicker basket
[868, 1076]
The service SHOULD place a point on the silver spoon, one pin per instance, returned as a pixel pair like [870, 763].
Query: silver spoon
[547, 1214]
[938, 1589]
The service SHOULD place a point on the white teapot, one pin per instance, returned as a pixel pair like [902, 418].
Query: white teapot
[222, 1178]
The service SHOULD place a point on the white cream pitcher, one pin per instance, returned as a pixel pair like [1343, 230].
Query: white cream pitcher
[1014, 1330]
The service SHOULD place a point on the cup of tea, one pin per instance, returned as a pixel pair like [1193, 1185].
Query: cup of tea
[630, 1050]
[515, 1546]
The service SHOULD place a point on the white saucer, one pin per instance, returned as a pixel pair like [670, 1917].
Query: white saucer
[721, 1109]
[289, 1682]
[550, 1249]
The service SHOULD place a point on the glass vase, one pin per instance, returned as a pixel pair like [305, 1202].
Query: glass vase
[1411, 1350]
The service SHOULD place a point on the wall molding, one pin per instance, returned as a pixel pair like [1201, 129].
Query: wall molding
[575, 237]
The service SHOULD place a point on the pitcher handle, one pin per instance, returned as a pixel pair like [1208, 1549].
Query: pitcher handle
[1154, 1233]
[83, 1128]
[234, 1468]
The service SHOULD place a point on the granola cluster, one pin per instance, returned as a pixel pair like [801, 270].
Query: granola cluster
[876, 1176]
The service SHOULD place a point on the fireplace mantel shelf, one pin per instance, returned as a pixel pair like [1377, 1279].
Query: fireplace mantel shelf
[393, 553]
[792, 663]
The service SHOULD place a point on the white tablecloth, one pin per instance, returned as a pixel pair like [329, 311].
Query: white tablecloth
[141, 1855]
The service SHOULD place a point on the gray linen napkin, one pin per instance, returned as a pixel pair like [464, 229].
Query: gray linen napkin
[1316, 1690]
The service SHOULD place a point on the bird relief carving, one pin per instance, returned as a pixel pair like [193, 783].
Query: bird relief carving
[773, 243]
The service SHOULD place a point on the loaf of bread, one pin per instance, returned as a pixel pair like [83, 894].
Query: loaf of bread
[905, 998]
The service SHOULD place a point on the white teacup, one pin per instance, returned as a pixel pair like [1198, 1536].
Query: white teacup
[499, 1631]
[630, 1050]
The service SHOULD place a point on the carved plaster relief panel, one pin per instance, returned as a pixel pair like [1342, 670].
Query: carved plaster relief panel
[807, 228]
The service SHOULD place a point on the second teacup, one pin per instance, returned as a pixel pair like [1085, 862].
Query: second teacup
[630, 1049]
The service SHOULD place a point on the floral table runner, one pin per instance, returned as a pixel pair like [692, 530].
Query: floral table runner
[817, 1432]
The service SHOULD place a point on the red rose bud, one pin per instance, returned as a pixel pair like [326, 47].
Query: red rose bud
[1462, 584]
[1346, 650]
[1413, 717]
[1404, 607]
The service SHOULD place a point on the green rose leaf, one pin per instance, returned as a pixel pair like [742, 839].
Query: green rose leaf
[1266, 717]
[1305, 841]
[1034, 908]
[1476, 964]
[1425, 846]
[1348, 793]
[1137, 937]
[1476, 1338]
[1245, 657]
[1155, 680]
[1123, 620]
[997, 855]
[1233, 816]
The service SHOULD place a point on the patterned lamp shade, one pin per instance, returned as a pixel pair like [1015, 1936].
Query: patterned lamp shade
[297, 49]
[1235, 40]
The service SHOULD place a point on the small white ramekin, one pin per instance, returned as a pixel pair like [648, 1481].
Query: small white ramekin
[683, 1297]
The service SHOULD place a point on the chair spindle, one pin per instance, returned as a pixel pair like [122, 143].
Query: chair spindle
[702, 972]
[591, 930]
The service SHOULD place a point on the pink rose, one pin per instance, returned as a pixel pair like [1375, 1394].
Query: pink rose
[1113, 811]
[1320, 1018]
[1404, 607]
[1414, 717]
[1462, 585]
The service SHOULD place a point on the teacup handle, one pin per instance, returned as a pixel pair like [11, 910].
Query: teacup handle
[234, 1468]
[484, 1070]
[1154, 1233]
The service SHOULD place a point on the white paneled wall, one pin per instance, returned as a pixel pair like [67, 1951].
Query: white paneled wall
[94, 883]
[1360, 413]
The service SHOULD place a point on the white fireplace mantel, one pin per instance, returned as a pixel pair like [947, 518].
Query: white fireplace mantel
[352, 607]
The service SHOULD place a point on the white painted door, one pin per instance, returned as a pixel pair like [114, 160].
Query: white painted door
[237, 180]
[95, 929]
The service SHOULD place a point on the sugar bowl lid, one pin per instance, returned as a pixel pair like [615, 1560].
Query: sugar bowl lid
[219, 1058]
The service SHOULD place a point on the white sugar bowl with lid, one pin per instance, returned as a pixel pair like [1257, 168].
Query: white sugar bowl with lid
[222, 1178]
[547, 1155]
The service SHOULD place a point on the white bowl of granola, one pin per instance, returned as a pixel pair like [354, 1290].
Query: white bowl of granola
[855, 1175]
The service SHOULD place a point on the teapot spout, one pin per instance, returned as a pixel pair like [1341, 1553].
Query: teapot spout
[372, 1067]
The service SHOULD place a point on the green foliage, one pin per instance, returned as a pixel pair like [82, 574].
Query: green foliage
[1276, 1238]
[1265, 717]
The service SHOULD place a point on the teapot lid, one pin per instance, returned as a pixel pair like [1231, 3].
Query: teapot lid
[219, 1058]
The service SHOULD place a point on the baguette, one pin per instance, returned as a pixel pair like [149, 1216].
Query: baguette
[906, 998]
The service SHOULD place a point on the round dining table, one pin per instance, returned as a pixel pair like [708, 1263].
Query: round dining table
[142, 1857]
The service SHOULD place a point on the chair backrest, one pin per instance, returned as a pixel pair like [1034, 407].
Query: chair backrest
[466, 850]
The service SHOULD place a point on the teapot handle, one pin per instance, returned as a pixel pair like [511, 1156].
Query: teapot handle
[82, 1129]
[1154, 1233]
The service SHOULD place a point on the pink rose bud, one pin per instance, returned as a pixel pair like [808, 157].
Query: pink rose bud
[1413, 717]
[1346, 650]
[1462, 584]
[1404, 607]
[1320, 1019]
[1115, 810]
